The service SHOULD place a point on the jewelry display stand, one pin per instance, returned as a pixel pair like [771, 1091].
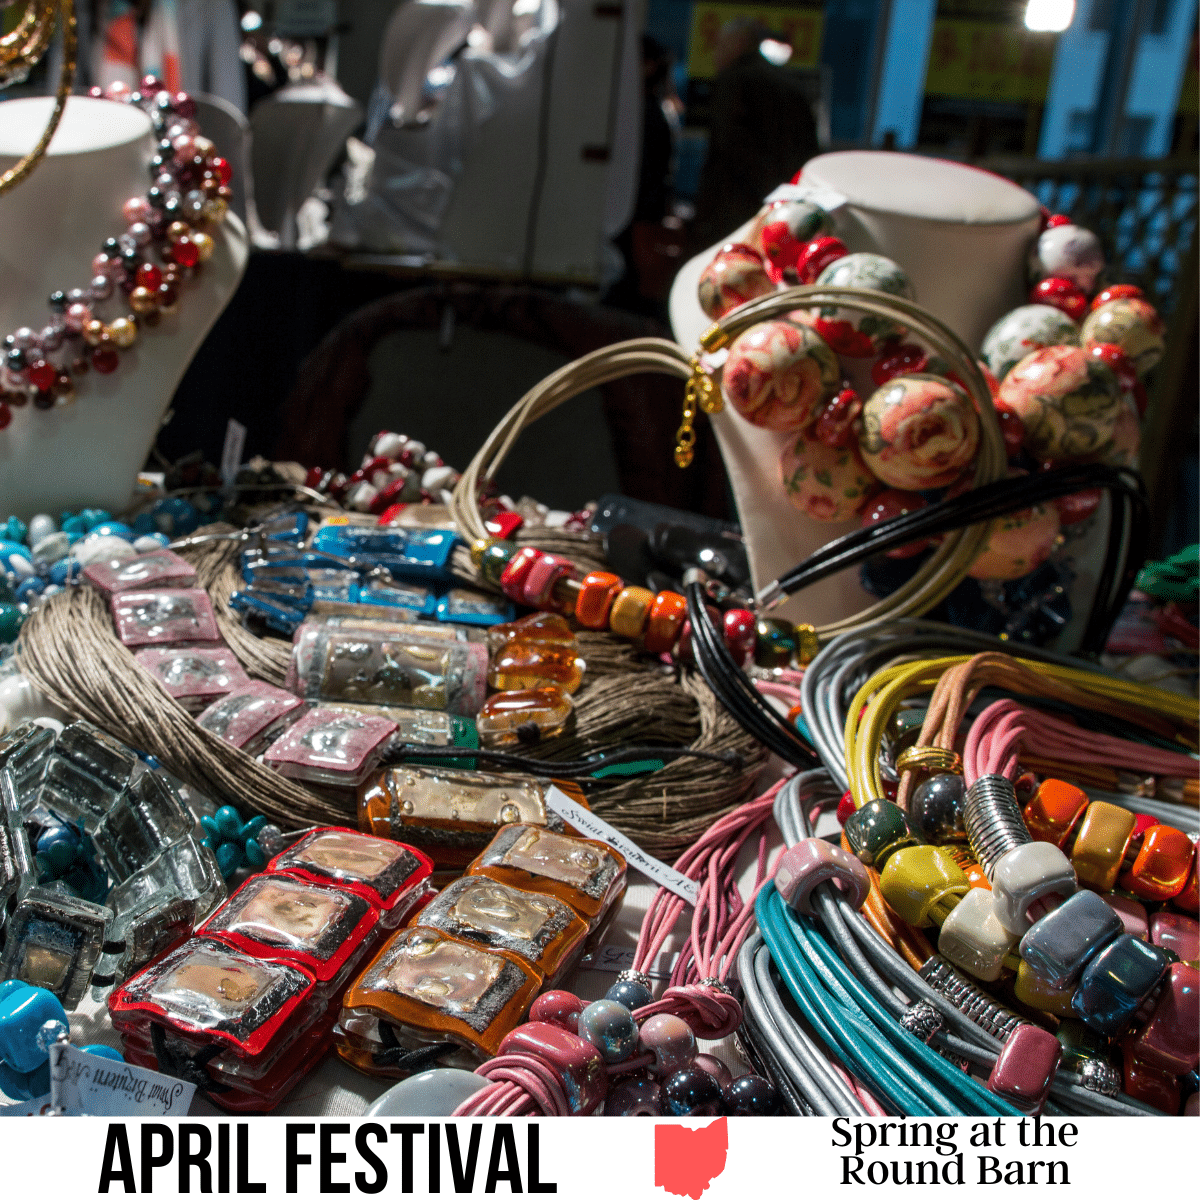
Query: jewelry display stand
[961, 234]
[51, 227]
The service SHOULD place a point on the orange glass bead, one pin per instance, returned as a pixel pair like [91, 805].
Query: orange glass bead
[1162, 865]
[1054, 811]
[541, 629]
[1100, 846]
[627, 618]
[509, 718]
[521, 665]
[600, 589]
[664, 622]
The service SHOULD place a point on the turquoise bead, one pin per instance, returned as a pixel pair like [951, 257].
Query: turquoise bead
[11, 620]
[228, 822]
[229, 858]
[22, 1013]
[74, 525]
[113, 529]
[252, 826]
[255, 855]
[209, 825]
[14, 530]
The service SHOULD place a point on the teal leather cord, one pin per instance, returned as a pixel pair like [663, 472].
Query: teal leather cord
[915, 1079]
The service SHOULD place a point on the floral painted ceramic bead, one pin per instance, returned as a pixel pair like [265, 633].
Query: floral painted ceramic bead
[1017, 543]
[1069, 252]
[785, 229]
[856, 334]
[1068, 403]
[829, 483]
[919, 432]
[735, 275]
[1024, 330]
[1131, 324]
[778, 374]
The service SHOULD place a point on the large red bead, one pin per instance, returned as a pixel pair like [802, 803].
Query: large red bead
[894, 503]
[185, 252]
[1117, 361]
[1057, 219]
[149, 276]
[1012, 429]
[905, 359]
[221, 168]
[1062, 294]
[817, 255]
[42, 375]
[576, 1062]
[737, 625]
[1118, 291]
[835, 423]
[105, 360]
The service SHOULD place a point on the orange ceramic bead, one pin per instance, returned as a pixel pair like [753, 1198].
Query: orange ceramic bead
[1162, 866]
[664, 622]
[1104, 835]
[630, 609]
[1054, 811]
[600, 589]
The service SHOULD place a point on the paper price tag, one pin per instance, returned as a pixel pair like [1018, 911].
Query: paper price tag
[592, 826]
[620, 958]
[102, 1087]
[231, 453]
[822, 197]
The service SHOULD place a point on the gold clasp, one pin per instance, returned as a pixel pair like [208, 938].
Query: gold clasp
[701, 394]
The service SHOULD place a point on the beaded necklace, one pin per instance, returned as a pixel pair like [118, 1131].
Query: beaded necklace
[136, 277]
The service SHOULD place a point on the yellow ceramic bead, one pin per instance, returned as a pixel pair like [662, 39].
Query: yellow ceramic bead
[478, 546]
[1036, 993]
[123, 332]
[629, 612]
[1100, 845]
[922, 884]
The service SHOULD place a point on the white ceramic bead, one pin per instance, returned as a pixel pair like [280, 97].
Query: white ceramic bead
[41, 526]
[360, 496]
[437, 478]
[389, 445]
[99, 547]
[435, 1093]
[52, 547]
[972, 939]
[151, 541]
[1026, 874]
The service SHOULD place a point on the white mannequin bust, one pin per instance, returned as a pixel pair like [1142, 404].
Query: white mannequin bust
[962, 235]
[51, 227]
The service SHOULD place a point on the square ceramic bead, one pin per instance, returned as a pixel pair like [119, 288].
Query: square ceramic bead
[195, 676]
[600, 589]
[1100, 845]
[164, 617]
[1115, 983]
[1171, 1039]
[627, 617]
[1132, 914]
[973, 940]
[159, 568]
[512, 578]
[664, 622]
[333, 746]
[1025, 1067]
[1162, 865]
[813, 861]
[1174, 931]
[1037, 993]
[1027, 874]
[1148, 1083]
[922, 884]
[1061, 944]
[1055, 810]
[537, 589]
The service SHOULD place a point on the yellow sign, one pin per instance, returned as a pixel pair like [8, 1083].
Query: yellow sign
[981, 60]
[800, 27]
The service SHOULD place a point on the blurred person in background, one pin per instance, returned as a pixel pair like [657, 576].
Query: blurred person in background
[762, 132]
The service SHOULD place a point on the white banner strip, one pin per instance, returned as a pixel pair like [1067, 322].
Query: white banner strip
[593, 826]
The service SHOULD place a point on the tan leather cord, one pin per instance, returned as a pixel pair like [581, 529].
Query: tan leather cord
[937, 577]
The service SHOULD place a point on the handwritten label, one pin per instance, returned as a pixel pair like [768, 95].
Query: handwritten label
[231, 454]
[822, 197]
[91, 1085]
[620, 958]
[592, 826]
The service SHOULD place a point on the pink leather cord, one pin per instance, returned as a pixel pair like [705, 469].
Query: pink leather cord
[999, 734]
